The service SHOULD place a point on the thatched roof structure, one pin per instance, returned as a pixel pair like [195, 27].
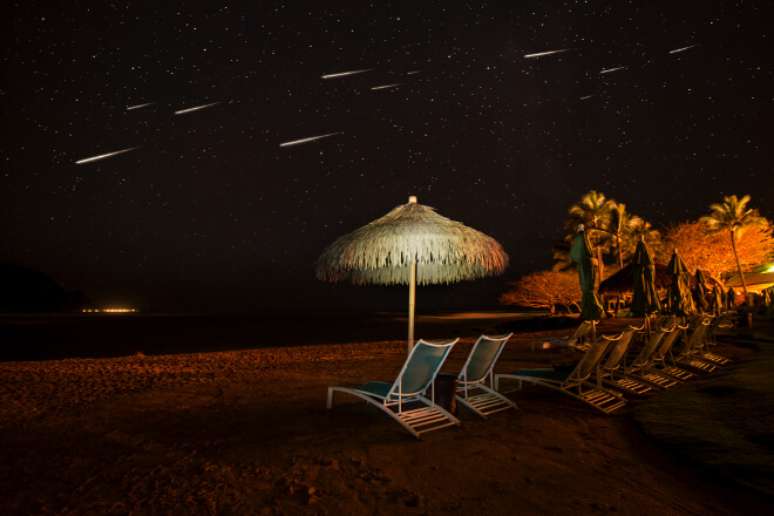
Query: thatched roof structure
[621, 282]
[446, 251]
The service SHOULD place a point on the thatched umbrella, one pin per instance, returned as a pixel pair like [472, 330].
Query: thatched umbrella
[412, 245]
[644, 297]
[580, 253]
[680, 300]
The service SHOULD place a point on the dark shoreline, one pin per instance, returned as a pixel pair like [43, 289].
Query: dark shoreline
[721, 424]
[59, 336]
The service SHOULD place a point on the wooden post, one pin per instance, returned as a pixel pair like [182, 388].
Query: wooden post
[412, 301]
[412, 291]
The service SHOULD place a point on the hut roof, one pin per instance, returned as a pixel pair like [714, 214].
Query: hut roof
[446, 251]
[622, 281]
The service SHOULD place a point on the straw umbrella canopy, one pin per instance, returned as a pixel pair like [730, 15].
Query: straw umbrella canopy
[580, 253]
[644, 296]
[680, 300]
[410, 245]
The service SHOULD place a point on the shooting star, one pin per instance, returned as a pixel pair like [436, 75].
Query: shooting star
[546, 53]
[413, 72]
[611, 70]
[386, 86]
[139, 106]
[307, 140]
[345, 74]
[586, 97]
[107, 155]
[681, 49]
[196, 108]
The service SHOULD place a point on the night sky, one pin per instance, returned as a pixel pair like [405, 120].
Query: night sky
[210, 213]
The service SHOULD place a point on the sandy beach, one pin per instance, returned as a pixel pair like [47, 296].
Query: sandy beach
[247, 432]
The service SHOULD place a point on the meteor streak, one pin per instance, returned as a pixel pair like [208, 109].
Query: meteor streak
[586, 97]
[386, 86]
[345, 74]
[611, 70]
[546, 53]
[413, 72]
[195, 108]
[307, 140]
[139, 106]
[681, 49]
[107, 155]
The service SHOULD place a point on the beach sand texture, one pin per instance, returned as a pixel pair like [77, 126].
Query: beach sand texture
[247, 432]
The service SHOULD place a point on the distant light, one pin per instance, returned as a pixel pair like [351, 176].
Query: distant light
[770, 269]
[110, 310]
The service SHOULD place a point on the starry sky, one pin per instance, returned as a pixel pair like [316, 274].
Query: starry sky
[210, 213]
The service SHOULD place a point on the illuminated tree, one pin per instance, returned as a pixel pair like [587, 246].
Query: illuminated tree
[733, 217]
[545, 289]
[712, 253]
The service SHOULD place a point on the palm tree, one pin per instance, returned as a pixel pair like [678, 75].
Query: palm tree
[619, 220]
[734, 216]
[638, 229]
[593, 211]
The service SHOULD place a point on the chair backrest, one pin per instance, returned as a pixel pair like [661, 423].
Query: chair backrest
[589, 361]
[617, 349]
[696, 339]
[583, 331]
[643, 357]
[421, 368]
[668, 341]
[482, 357]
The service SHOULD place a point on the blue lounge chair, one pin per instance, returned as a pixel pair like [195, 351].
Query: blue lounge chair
[405, 400]
[478, 371]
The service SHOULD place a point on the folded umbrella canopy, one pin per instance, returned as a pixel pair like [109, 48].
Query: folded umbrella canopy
[680, 299]
[644, 295]
[700, 294]
[580, 253]
[412, 244]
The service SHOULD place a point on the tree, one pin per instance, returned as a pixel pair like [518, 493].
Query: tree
[593, 211]
[544, 289]
[711, 252]
[733, 217]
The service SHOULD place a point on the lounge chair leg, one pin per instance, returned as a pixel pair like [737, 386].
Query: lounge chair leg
[330, 398]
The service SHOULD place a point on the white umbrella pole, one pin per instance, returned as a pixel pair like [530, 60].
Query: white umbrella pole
[412, 301]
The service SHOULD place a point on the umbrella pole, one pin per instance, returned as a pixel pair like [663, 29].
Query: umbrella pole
[412, 301]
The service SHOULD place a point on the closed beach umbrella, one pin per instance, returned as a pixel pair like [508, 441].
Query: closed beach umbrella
[644, 295]
[411, 245]
[717, 300]
[731, 298]
[701, 291]
[580, 253]
[680, 299]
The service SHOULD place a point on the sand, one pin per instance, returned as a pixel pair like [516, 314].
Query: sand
[247, 432]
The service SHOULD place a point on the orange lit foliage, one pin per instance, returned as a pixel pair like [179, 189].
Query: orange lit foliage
[545, 289]
[712, 251]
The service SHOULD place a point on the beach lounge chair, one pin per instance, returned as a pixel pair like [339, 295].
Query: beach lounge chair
[641, 367]
[661, 361]
[577, 384]
[720, 322]
[478, 371]
[612, 371]
[691, 353]
[405, 400]
[577, 340]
